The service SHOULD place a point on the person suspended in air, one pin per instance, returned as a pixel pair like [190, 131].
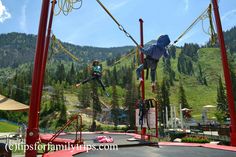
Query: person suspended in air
[95, 75]
[153, 54]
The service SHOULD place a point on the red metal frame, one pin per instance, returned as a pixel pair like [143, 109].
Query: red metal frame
[156, 115]
[142, 57]
[76, 117]
[156, 105]
[32, 135]
[143, 132]
[45, 51]
[227, 76]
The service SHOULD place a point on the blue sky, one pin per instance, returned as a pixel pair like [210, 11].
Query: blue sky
[92, 26]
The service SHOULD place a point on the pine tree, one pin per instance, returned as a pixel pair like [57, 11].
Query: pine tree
[62, 117]
[71, 76]
[60, 73]
[233, 75]
[165, 101]
[20, 93]
[84, 95]
[114, 106]
[182, 63]
[190, 70]
[130, 99]
[172, 52]
[201, 77]
[106, 77]
[95, 101]
[222, 105]
[168, 72]
[115, 77]
[57, 99]
[182, 97]
[158, 93]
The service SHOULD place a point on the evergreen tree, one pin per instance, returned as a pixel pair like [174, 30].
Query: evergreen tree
[168, 72]
[182, 64]
[20, 94]
[115, 77]
[158, 93]
[182, 97]
[222, 105]
[71, 76]
[165, 101]
[188, 55]
[84, 95]
[201, 76]
[114, 106]
[95, 101]
[232, 65]
[172, 52]
[189, 66]
[106, 77]
[62, 117]
[130, 99]
[57, 99]
[60, 73]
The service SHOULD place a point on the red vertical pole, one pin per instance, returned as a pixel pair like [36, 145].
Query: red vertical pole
[45, 52]
[156, 111]
[228, 81]
[143, 131]
[142, 57]
[32, 135]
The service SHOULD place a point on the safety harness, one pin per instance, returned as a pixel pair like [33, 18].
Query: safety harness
[144, 107]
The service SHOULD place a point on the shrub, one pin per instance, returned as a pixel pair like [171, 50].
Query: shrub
[174, 135]
[189, 139]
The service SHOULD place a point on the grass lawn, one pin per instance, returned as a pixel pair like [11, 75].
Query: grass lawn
[7, 127]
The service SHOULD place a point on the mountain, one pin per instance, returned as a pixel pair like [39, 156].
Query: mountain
[199, 69]
[18, 48]
[230, 39]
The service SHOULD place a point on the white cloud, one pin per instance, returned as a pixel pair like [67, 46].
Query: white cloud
[229, 14]
[23, 25]
[4, 14]
[116, 6]
[186, 2]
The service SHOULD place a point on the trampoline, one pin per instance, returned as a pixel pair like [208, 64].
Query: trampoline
[120, 139]
[139, 148]
[162, 151]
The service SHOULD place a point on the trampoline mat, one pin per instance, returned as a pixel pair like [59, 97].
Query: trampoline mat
[119, 139]
[163, 151]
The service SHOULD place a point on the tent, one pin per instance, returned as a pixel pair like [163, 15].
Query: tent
[8, 104]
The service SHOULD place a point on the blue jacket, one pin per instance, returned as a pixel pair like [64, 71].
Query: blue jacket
[156, 51]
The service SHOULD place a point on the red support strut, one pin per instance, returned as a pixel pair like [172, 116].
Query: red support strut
[32, 135]
[143, 131]
[142, 57]
[227, 76]
[45, 51]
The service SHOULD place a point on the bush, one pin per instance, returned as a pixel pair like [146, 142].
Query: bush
[174, 135]
[190, 139]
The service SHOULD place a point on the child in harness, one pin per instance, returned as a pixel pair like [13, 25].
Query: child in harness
[153, 54]
[95, 75]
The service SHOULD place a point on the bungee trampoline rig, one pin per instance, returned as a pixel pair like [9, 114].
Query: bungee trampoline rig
[41, 55]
